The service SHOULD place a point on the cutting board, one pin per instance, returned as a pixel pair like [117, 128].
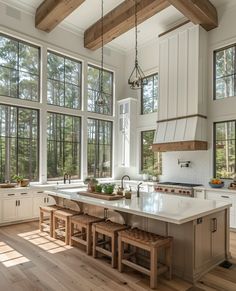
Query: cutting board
[101, 195]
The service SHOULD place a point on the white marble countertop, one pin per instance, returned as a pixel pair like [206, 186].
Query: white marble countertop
[163, 207]
[208, 188]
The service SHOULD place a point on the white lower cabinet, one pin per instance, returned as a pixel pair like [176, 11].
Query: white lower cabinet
[9, 210]
[37, 202]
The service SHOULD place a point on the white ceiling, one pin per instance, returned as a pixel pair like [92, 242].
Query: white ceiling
[84, 16]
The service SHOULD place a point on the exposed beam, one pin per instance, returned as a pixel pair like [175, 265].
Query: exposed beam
[201, 12]
[120, 20]
[51, 12]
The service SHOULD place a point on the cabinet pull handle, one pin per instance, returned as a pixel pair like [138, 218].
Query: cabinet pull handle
[48, 199]
[10, 194]
[16, 202]
[23, 193]
[223, 196]
[39, 192]
[44, 200]
[214, 224]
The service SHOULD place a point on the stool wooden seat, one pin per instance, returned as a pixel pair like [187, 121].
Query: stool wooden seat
[61, 223]
[46, 218]
[150, 242]
[81, 230]
[106, 229]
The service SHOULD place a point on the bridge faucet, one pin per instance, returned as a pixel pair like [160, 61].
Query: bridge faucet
[138, 189]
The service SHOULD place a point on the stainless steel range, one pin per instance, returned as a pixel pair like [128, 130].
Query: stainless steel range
[182, 189]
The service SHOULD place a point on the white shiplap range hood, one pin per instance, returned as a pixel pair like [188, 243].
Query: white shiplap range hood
[182, 121]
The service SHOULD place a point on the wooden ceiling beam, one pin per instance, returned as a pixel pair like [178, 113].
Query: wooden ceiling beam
[201, 12]
[120, 20]
[51, 12]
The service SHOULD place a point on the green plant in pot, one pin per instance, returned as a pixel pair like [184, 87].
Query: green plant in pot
[108, 188]
[98, 188]
[21, 181]
[91, 182]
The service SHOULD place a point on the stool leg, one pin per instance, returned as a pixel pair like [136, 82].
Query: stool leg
[40, 220]
[153, 268]
[114, 250]
[120, 254]
[51, 224]
[89, 239]
[169, 251]
[95, 239]
[67, 235]
[54, 227]
[71, 232]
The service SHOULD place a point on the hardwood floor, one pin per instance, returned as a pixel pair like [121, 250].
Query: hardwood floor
[32, 261]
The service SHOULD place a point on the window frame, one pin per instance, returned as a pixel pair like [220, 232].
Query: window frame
[80, 144]
[111, 144]
[214, 71]
[65, 56]
[214, 147]
[39, 48]
[142, 97]
[112, 90]
[38, 136]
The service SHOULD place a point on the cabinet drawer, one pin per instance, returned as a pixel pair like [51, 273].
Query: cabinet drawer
[220, 196]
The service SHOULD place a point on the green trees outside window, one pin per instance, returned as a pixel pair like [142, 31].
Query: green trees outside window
[64, 81]
[151, 162]
[18, 142]
[99, 148]
[149, 95]
[225, 72]
[63, 146]
[19, 69]
[94, 74]
[224, 149]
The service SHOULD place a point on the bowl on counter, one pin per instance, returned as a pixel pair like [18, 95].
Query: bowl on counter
[221, 185]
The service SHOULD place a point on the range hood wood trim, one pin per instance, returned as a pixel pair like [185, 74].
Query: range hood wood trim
[182, 117]
[195, 145]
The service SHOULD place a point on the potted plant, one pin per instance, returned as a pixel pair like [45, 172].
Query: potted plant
[98, 188]
[91, 182]
[21, 181]
[108, 188]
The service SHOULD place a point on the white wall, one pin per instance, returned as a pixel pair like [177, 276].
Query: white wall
[201, 169]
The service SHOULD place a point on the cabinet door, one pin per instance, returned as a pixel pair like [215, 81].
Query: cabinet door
[24, 208]
[9, 210]
[218, 234]
[50, 200]
[37, 202]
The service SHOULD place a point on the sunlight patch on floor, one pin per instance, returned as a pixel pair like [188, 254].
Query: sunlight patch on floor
[45, 242]
[10, 257]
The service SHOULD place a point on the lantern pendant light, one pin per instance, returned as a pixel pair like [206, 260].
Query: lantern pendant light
[137, 78]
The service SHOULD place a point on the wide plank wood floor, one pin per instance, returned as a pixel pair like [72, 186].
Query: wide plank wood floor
[32, 261]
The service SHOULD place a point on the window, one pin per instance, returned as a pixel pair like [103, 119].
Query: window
[18, 142]
[151, 162]
[63, 146]
[224, 149]
[64, 81]
[99, 148]
[19, 69]
[149, 95]
[225, 72]
[94, 90]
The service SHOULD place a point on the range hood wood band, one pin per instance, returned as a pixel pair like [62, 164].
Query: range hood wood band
[182, 117]
[195, 145]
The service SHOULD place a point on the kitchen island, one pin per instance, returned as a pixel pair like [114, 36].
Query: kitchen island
[200, 228]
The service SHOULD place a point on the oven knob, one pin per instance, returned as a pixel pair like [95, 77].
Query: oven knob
[172, 190]
[188, 192]
[184, 192]
[180, 191]
[166, 190]
[160, 189]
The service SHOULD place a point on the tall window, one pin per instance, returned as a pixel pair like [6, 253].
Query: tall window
[63, 146]
[18, 142]
[225, 72]
[19, 69]
[64, 81]
[149, 95]
[151, 162]
[224, 149]
[99, 148]
[94, 75]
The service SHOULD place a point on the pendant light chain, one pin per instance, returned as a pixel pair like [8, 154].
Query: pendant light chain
[136, 36]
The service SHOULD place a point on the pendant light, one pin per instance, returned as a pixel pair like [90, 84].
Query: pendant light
[100, 100]
[137, 78]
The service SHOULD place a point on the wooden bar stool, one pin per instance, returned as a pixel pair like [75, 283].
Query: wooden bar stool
[150, 242]
[106, 229]
[46, 218]
[61, 223]
[81, 230]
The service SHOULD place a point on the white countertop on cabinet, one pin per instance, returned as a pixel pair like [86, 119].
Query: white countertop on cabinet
[163, 207]
[208, 188]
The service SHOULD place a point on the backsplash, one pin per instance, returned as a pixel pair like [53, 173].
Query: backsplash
[198, 172]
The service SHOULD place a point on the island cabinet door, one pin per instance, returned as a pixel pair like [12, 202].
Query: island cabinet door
[210, 240]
